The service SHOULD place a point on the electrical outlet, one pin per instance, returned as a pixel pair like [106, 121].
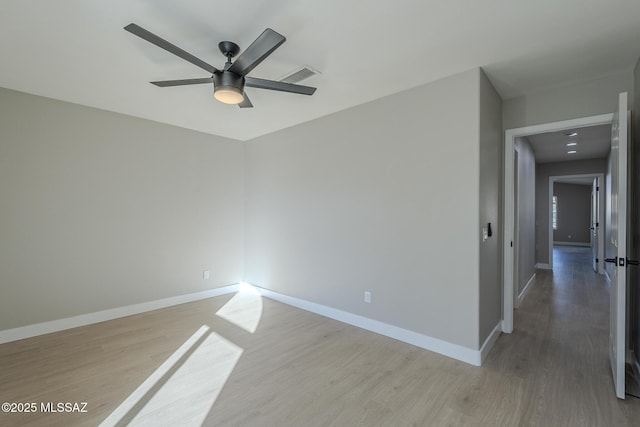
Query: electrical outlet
[367, 297]
[205, 275]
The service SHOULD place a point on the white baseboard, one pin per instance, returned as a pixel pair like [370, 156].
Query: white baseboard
[455, 351]
[581, 244]
[523, 294]
[490, 341]
[29, 331]
[542, 266]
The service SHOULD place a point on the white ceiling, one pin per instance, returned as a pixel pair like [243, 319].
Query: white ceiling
[592, 142]
[77, 51]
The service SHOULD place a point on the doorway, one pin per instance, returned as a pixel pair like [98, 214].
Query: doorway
[587, 218]
[509, 201]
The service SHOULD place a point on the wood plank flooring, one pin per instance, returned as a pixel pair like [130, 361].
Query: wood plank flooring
[300, 369]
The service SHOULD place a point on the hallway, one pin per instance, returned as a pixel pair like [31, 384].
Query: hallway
[559, 346]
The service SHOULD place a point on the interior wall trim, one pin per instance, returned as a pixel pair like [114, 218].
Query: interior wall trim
[15, 334]
[455, 351]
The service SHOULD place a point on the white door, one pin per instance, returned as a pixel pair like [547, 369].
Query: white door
[617, 272]
[595, 223]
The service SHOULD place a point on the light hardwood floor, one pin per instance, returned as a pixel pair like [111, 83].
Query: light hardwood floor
[300, 369]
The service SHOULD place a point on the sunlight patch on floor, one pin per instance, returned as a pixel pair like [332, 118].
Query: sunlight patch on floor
[144, 388]
[244, 309]
[187, 397]
[184, 388]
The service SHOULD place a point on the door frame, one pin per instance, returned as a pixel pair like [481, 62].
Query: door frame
[516, 228]
[507, 197]
[601, 213]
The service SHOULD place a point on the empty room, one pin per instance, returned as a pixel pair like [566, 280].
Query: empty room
[308, 213]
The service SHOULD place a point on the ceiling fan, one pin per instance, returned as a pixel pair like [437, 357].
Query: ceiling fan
[229, 83]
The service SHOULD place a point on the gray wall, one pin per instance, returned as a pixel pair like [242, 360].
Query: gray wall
[591, 98]
[490, 202]
[543, 172]
[526, 213]
[102, 210]
[574, 213]
[382, 197]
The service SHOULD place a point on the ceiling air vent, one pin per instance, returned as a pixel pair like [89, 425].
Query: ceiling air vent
[299, 74]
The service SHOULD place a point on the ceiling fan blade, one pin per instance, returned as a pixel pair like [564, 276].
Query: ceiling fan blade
[152, 38]
[281, 86]
[246, 103]
[183, 82]
[261, 47]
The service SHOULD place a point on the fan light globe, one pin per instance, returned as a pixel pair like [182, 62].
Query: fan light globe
[228, 95]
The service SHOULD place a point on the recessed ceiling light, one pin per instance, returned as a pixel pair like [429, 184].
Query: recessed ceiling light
[571, 144]
[572, 134]
[572, 152]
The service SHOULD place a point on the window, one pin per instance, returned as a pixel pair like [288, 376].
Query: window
[554, 212]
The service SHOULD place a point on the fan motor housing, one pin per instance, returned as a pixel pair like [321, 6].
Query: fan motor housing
[228, 79]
